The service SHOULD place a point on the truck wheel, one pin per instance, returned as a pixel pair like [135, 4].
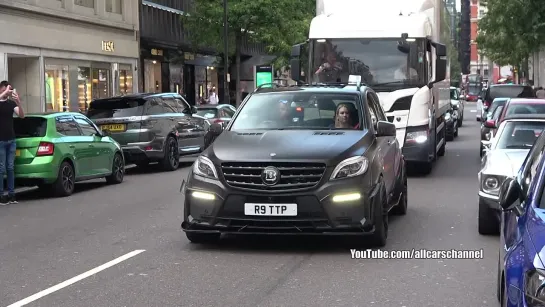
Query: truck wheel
[380, 235]
[488, 225]
[441, 151]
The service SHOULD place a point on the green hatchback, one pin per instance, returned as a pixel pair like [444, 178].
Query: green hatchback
[56, 150]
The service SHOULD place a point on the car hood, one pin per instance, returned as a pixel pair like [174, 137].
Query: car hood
[326, 146]
[504, 162]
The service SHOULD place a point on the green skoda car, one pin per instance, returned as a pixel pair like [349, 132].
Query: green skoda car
[56, 150]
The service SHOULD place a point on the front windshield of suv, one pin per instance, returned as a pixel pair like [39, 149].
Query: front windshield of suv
[299, 110]
[377, 61]
[519, 135]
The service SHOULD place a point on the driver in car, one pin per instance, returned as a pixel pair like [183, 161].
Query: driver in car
[404, 72]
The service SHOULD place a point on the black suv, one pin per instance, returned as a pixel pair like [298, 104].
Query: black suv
[299, 160]
[152, 127]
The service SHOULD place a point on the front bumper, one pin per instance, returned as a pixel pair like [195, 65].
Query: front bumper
[416, 152]
[317, 213]
[491, 201]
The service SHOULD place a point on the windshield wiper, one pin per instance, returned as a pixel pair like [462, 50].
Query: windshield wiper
[519, 146]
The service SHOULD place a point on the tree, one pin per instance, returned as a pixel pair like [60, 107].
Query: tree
[511, 30]
[276, 24]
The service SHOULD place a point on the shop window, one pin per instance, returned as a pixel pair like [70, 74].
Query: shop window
[84, 88]
[101, 83]
[125, 82]
[152, 75]
[85, 3]
[114, 6]
[57, 88]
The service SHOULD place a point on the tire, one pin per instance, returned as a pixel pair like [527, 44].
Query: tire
[380, 236]
[425, 168]
[66, 180]
[488, 224]
[449, 137]
[171, 161]
[401, 207]
[200, 238]
[461, 122]
[456, 131]
[118, 170]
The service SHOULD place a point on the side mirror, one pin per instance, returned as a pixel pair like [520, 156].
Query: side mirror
[490, 124]
[385, 128]
[510, 191]
[440, 63]
[295, 62]
[216, 129]
[106, 133]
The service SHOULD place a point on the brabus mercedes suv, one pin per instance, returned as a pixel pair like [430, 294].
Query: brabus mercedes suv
[299, 160]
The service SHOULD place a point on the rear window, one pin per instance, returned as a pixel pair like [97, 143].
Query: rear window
[511, 91]
[115, 108]
[526, 108]
[208, 113]
[29, 127]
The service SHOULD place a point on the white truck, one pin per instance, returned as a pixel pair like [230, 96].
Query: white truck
[397, 47]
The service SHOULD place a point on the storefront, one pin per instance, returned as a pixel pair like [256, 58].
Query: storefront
[62, 65]
[163, 70]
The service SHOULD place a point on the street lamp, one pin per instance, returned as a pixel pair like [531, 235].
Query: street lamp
[225, 54]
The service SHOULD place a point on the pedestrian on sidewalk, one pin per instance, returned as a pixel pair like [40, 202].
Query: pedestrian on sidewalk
[9, 104]
[213, 97]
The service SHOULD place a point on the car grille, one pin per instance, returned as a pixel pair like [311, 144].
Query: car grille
[293, 176]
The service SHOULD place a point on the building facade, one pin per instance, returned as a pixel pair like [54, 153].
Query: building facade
[61, 54]
[170, 63]
[480, 64]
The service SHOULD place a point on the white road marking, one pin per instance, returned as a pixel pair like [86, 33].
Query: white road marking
[473, 111]
[75, 279]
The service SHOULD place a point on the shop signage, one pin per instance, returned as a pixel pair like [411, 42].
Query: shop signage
[108, 46]
[158, 52]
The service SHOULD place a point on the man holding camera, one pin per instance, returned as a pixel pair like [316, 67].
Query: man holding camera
[9, 104]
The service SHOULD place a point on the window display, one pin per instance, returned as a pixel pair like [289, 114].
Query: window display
[57, 88]
[125, 82]
[101, 83]
[84, 88]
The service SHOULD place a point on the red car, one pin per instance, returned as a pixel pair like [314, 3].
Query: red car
[517, 106]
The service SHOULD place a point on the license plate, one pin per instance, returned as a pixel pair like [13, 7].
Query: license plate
[271, 209]
[17, 152]
[114, 128]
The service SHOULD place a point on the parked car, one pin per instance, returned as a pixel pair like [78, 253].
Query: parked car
[521, 263]
[152, 127]
[281, 166]
[503, 91]
[457, 101]
[217, 113]
[56, 150]
[451, 122]
[504, 156]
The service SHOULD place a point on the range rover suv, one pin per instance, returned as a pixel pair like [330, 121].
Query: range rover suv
[299, 160]
[152, 127]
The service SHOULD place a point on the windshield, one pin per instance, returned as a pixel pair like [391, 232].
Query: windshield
[29, 127]
[377, 61]
[495, 105]
[520, 135]
[526, 108]
[510, 91]
[454, 94]
[297, 111]
[115, 108]
[474, 90]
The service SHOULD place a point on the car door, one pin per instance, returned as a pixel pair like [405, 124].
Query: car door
[193, 131]
[389, 145]
[74, 141]
[98, 153]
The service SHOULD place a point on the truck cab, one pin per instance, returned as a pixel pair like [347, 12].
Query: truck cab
[394, 47]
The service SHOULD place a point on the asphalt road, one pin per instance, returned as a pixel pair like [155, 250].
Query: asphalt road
[44, 242]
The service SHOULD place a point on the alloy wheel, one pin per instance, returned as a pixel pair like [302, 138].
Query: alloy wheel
[67, 178]
[173, 154]
[119, 170]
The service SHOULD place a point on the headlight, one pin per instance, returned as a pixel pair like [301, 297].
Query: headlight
[534, 288]
[204, 167]
[490, 184]
[350, 167]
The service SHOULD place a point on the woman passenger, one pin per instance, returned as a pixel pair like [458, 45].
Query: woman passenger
[342, 117]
